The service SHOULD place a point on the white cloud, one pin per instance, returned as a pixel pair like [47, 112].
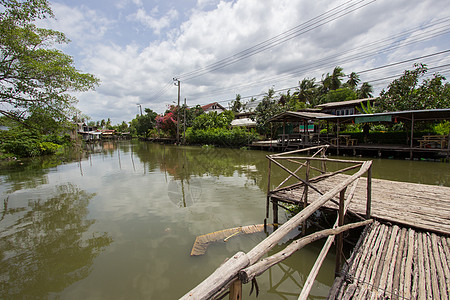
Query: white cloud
[152, 22]
[134, 73]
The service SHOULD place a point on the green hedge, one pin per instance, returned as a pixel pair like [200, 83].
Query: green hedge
[235, 137]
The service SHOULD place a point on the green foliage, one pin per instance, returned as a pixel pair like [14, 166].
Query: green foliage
[442, 128]
[24, 142]
[366, 109]
[142, 124]
[265, 110]
[36, 79]
[236, 105]
[235, 137]
[340, 94]
[407, 93]
[213, 120]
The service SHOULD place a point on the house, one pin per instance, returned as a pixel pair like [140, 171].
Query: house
[213, 107]
[345, 108]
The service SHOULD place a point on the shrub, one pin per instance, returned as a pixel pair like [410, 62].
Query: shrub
[235, 137]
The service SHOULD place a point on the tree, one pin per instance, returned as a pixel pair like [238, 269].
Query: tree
[266, 109]
[142, 124]
[307, 90]
[407, 93]
[34, 77]
[353, 80]
[365, 91]
[236, 105]
[335, 78]
[342, 94]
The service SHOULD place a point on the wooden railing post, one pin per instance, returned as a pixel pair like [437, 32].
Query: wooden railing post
[324, 163]
[369, 193]
[305, 198]
[340, 237]
[268, 194]
[236, 290]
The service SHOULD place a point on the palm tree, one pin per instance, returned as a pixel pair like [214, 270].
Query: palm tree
[335, 78]
[353, 80]
[365, 91]
[307, 90]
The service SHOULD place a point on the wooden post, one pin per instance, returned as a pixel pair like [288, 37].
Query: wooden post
[268, 192]
[275, 212]
[412, 136]
[324, 163]
[305, 198]
[236, 290]
[369, 193]
[337, 136]
[340, 237]
[448, 148]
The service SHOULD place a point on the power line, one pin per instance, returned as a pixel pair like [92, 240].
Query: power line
[365, 51]
[277, 40]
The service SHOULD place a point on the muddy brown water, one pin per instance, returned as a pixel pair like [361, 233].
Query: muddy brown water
[119, 221]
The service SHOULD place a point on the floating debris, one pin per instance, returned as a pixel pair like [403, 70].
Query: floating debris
[202, 241]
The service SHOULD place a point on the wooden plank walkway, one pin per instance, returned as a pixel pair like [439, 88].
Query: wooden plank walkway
[391, 262]
[419, 206]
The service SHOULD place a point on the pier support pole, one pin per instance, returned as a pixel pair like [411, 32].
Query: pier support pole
[340, 237]
[305, 198]
[268, 196]
[236, 290]
[369, 193]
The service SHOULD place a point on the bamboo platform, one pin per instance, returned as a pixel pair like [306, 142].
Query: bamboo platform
[390, 262]
[419, 206]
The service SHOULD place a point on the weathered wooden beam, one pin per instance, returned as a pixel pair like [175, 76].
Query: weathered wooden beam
[220, 277]
[300, 150]
[318, 178]
[340, 237]
[261, 266]
[296, 176]
[317, 158]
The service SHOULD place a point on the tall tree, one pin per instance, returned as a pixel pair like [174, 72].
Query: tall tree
[35, 77]
[336, 78]
[353, 80]
[365, 91]
[408, 92]
[236, 105]
[307, 90]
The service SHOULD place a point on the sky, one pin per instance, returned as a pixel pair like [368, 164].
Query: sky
[218, 49]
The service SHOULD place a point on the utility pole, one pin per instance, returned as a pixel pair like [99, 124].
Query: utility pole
[178, 84]
[140, 107]
[184, 122]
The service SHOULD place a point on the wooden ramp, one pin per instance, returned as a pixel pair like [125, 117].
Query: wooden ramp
[417, 205]
[390, 262]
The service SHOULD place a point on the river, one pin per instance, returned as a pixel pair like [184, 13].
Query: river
[119, 221]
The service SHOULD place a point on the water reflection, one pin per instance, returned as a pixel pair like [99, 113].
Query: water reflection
[46, 246]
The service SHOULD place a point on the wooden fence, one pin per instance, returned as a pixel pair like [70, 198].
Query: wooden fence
[243, 267]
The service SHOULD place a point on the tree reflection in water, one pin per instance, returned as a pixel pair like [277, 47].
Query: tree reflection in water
[48, 247]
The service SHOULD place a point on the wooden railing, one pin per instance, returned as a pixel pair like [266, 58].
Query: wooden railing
[243, 267]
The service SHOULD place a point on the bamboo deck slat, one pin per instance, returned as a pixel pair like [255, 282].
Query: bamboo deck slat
[417, 205]
[396, 263]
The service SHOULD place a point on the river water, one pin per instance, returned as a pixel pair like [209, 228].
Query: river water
[119, 221]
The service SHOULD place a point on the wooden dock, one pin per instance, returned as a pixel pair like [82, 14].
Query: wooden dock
[391, 262]
[405, 253]
[414, 205]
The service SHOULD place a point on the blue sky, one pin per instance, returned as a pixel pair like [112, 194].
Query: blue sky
[137, 47]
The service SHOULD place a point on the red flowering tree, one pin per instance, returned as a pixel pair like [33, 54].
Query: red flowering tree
[168, 122]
